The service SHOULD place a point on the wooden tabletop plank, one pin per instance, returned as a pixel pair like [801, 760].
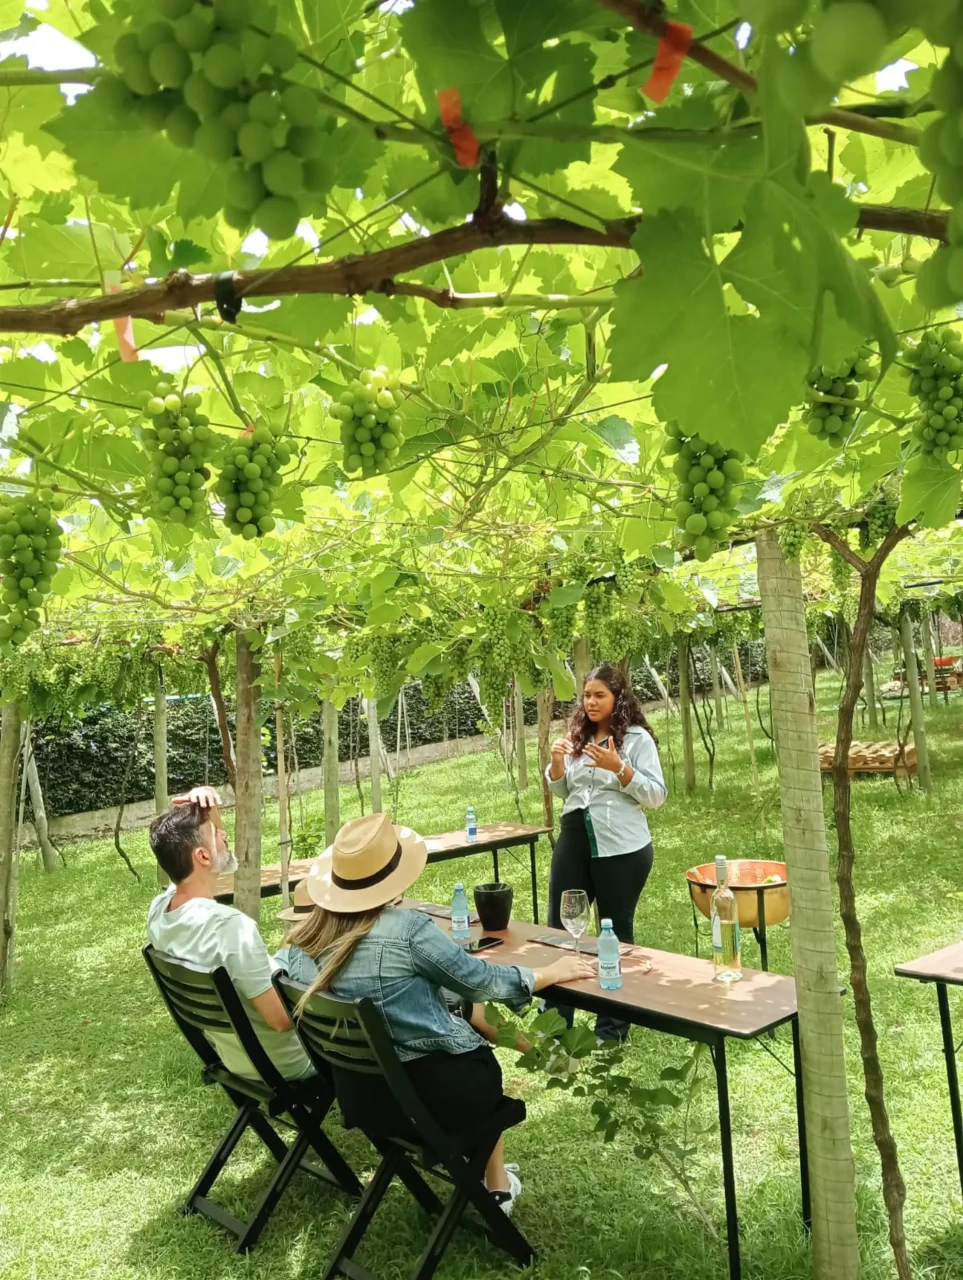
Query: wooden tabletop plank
[494, 835]
[676, 986]
[938, 966]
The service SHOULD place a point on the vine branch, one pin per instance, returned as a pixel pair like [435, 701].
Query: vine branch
[356, 275]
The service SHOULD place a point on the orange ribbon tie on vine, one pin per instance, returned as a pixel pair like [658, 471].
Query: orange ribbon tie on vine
[461, 136]
[669, 56]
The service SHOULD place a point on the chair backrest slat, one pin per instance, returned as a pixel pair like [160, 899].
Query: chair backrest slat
[329, 1030]
[202, 999]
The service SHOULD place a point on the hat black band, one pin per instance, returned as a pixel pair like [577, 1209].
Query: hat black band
[367, 881]
[303, 911]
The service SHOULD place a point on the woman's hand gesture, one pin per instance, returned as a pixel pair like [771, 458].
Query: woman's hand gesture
[603, 757]
[561, 748]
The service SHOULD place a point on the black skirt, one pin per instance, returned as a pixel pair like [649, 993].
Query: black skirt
[458, 1089]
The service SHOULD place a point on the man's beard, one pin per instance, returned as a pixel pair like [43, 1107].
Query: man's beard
[225, 863]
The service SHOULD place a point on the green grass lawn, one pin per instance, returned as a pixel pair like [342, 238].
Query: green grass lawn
[104, 1123]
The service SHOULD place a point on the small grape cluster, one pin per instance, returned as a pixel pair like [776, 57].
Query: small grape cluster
[370, 422]
[846, 41]
[180, 442]
[621, 635]
[631, 577]
[792, 539]
[384, 663]
[250, 479]
[706, 474]
[840, 574]
[560, 624]
[880, 518]
[435, 690]
[29, 552]
[213, 78]
[829, 420]
[936, 378]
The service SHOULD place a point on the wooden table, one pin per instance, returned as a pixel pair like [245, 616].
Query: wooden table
[680, 997]
[944, 969]
[491, 839]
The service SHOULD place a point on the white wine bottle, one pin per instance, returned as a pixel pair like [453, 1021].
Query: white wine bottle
[724, 914]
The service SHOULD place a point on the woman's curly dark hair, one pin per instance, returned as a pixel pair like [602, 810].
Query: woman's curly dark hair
[626, 712]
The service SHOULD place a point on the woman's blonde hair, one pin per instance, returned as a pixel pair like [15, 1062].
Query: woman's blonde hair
[333, 936]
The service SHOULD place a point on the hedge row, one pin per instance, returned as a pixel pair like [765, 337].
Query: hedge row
[83, 763]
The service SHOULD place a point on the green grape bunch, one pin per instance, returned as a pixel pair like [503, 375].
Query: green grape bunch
[707, 474]
[497, 656]
[30, 545]
[632, 576]
[936, 379]
[833, 391]
[214, 79]
[792, 539]
[180, 442]
[596, 607]
[384, 663]
[370, 422]
[250, 479]
[840, 574]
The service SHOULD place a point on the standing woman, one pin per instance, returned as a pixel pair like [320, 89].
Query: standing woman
[608, 773]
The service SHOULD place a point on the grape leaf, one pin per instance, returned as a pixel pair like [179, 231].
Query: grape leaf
[455, 54]
[676, 313]
[930, 492]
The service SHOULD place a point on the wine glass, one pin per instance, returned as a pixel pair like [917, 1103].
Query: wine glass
[575, 913]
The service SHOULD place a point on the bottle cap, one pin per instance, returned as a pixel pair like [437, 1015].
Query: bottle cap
[606, 924]
[722, 864]
[460, 886]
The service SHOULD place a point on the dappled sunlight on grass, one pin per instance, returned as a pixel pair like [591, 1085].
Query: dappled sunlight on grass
[104, 1124]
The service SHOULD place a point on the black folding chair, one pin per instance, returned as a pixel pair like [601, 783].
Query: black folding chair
[201, 1000]
[353, 1036]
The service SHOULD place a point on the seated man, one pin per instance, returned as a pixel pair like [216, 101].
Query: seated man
[190, 844]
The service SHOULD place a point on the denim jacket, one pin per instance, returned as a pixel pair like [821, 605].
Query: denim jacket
[404, 964]
[618, 823]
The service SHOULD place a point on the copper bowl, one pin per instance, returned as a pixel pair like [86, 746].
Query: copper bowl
[746, 875]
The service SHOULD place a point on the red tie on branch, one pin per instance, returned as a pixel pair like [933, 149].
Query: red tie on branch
[669, 56]
[123, 327]
[461, 136]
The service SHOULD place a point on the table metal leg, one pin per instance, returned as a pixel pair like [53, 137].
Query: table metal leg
[807, 1211]
[728, 1168]
[531, 855]
[495, 861]
[952, 1078]
[761, 929]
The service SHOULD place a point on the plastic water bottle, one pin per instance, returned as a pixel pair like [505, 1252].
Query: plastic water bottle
[460, 914]
[724, 914]
[610, 960]
[471, 826]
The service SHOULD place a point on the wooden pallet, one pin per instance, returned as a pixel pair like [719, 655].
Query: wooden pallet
[872, 757]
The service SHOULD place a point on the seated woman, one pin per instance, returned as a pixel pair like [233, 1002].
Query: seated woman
[365, 944]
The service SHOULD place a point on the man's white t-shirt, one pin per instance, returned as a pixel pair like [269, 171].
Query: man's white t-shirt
[211, 933]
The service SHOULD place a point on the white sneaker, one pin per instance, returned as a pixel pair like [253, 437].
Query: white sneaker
[506, 1199]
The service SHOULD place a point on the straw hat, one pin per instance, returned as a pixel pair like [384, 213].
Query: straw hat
[301, 904]
[371, 863]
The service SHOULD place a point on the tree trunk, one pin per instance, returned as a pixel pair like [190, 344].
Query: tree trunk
[926, 635]
[894, 1189]
[663, 691]
[161, 797]
[582, 658]
[247, 788]
[374, 753]
[521, 759]
[284, 803]
[923, 775]
[716, 685]
[831, 1169]
[48, 852]
[869, 675]
[329, 763]
[897, 645]
[685, 712]
[546, 704]
[9, 755]
[220, 712]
